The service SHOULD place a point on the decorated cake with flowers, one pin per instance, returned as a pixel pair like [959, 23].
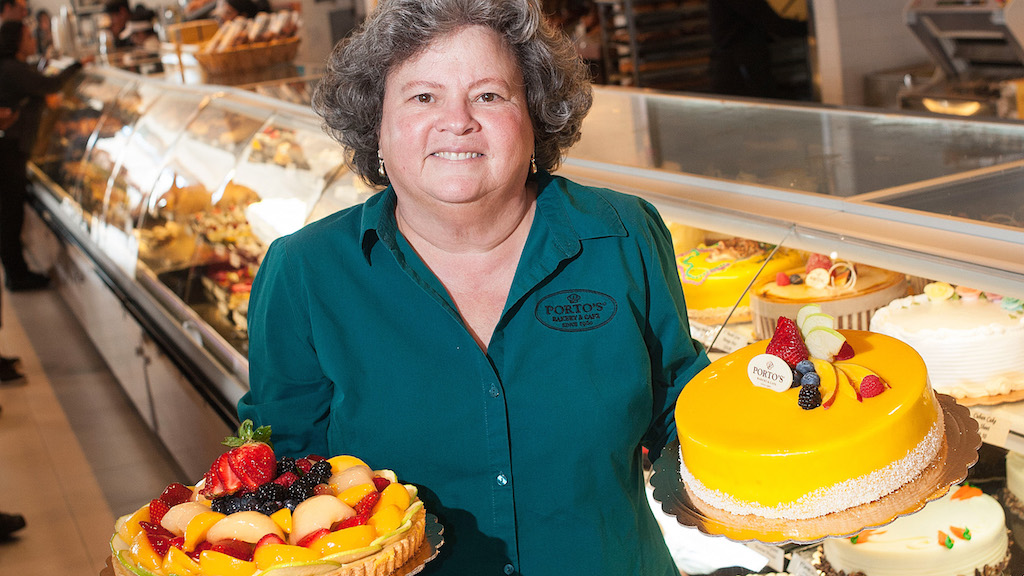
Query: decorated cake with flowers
[849, 292]
[961, 534]
[972, 341]
[715, 278]
[818, 420]
[254, 513]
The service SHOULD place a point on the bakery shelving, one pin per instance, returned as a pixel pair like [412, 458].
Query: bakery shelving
[880, 188]
[656, 44]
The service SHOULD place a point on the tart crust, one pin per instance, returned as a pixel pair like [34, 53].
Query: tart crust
[384, 562]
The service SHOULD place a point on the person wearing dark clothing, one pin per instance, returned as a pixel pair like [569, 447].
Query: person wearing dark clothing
[741, 34]
[22, 89]
[119, 13]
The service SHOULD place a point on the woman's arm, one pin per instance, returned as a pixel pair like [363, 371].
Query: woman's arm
[32, 82]
[675, 356]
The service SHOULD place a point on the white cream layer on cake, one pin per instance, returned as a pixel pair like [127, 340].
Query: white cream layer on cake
[930, 542]
[973, 348]
[1015, 474]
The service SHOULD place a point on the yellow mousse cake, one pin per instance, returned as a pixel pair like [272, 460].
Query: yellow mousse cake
[748, 449]
[715, 277]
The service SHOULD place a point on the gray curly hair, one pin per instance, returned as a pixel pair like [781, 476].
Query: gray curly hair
[350, 97]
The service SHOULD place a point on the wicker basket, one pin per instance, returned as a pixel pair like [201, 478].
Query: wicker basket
[249, 57]
[194, 32]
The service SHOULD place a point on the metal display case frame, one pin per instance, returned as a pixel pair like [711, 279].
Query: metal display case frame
[880, 188]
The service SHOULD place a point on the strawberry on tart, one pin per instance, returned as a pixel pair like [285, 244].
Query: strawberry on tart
[255, 514]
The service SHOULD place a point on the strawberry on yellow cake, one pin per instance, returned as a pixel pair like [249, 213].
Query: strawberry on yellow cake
[254, 514]
[814, 421]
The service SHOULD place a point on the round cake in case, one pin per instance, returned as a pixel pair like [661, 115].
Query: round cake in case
[850, 293]
[972, 342]
[716, 277]
[872, 426]
[961, 534]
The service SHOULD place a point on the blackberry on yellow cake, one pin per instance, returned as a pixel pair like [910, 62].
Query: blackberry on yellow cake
[255, 514]
[812, 422]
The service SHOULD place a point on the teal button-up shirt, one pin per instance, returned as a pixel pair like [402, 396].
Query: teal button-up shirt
[530, 454]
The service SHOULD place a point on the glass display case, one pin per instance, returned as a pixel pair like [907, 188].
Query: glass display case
[200, 180]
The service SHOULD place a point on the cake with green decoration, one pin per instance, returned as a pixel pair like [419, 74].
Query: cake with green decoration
[255, 514]
[961, 534]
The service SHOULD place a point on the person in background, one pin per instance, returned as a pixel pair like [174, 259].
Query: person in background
[505, 339]
[44, 33]
[23, 89]
[9, 524]
[231, 9]
[119, 13]
[13, 10]
[8, 364]
[741, 35]
[139, 30]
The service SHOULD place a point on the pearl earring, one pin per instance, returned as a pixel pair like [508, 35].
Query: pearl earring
[533, 164]
[380, 166]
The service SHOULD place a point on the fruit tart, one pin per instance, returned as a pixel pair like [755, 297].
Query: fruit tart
[254, 513]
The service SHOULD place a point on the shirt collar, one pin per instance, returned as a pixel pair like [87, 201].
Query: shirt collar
[571, 215]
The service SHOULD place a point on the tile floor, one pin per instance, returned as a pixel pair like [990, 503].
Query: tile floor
[74, 454]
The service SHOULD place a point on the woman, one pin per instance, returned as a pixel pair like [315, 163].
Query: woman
[505, 339]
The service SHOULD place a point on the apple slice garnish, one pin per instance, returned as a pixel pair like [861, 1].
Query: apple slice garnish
[806, 311]
[824, 343]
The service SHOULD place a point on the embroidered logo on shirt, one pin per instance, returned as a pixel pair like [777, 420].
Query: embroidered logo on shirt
[575, 310]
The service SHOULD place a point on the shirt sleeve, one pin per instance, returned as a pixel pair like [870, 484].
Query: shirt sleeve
[32, 82]
[675, 356]
[287, 388]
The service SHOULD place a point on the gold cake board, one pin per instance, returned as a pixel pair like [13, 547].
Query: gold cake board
[959, 452]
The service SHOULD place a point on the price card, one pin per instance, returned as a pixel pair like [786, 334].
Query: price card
[801, 565]
[993, 430]
[776, 556]
[727, 340]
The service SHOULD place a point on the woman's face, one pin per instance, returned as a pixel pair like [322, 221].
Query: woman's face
[455, 125]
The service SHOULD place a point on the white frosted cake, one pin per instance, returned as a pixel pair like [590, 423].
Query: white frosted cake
[1013, 497]
[973, 344]
[961, 534]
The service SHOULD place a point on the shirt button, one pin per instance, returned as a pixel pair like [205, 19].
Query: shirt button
[510, 569]
[494, 391]
[502, 480]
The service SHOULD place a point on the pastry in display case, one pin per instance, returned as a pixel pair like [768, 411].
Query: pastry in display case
[847, 291]
[717, 276]
[972, 341]
[280, 176]
[112, 136]
[197, 166]
[73, 126]
[137, 169]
